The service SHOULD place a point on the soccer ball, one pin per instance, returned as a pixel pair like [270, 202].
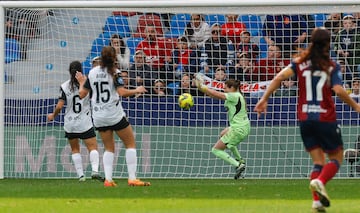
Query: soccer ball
[186, 101]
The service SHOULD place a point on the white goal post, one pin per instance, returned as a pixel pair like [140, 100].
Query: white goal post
[171, 142]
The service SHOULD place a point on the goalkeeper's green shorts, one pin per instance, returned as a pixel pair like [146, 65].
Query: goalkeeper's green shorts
[234, 136]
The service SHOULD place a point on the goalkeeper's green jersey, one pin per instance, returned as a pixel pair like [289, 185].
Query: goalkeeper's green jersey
[235, 106]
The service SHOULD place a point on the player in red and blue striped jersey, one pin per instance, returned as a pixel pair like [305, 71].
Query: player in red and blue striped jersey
[318, 77]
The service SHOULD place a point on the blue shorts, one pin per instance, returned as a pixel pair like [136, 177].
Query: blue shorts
[324, 135]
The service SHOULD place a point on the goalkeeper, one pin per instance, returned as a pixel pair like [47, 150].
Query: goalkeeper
[239, 128]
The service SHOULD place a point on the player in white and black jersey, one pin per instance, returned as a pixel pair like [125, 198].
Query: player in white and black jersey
[78, 123]
[106, 85]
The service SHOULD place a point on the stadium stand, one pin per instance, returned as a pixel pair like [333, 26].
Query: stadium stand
[319, 19]
[102, 40]
[118, 25]
[253, 24]
[132, 43]
[86, 65]
[54, 46]
[178, 24]
[215, 18]
[133, 22]
[149, 19]
[12, 50]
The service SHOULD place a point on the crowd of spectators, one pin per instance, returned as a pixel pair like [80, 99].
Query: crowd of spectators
[220, 50]
[228, 50]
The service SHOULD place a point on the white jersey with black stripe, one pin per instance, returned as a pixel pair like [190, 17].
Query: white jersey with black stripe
[106, 106]
[77, 117]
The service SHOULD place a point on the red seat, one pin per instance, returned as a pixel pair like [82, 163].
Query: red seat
[149, 19]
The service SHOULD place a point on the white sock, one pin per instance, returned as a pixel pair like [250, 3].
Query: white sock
[131, 161]
[108, 160]
[76, 158]
[94, 160]
[316, 204]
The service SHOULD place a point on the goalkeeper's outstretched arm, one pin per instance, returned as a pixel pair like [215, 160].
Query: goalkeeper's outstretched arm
[206, 90]
[213, 93]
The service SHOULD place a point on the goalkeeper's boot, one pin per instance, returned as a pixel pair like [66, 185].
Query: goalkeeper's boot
[138, 182]
[239, 170]
[110, 183]
[82, 178]
[318, 187]
[318, 207]
[96, 176]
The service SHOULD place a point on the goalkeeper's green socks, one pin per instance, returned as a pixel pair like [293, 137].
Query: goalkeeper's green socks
[225, 156]
[236, 153]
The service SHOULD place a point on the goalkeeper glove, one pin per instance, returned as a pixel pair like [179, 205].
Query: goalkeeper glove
[200, 86]
[199, 82]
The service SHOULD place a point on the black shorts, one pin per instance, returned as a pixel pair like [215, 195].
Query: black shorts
[84, 135]
[325, 135]
[119, 126]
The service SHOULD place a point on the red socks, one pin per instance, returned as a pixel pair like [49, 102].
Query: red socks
[329, 171]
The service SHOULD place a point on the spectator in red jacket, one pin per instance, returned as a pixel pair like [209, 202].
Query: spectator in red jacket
[232, 29]
[155, 49]
[268, 67]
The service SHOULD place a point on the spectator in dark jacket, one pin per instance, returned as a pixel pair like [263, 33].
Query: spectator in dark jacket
[140, 73]
[183, 60]
[215, 53]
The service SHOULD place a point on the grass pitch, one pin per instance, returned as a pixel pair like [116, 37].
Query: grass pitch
[173, 195]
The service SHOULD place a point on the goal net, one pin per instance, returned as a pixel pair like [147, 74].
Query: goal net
[247, 41]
